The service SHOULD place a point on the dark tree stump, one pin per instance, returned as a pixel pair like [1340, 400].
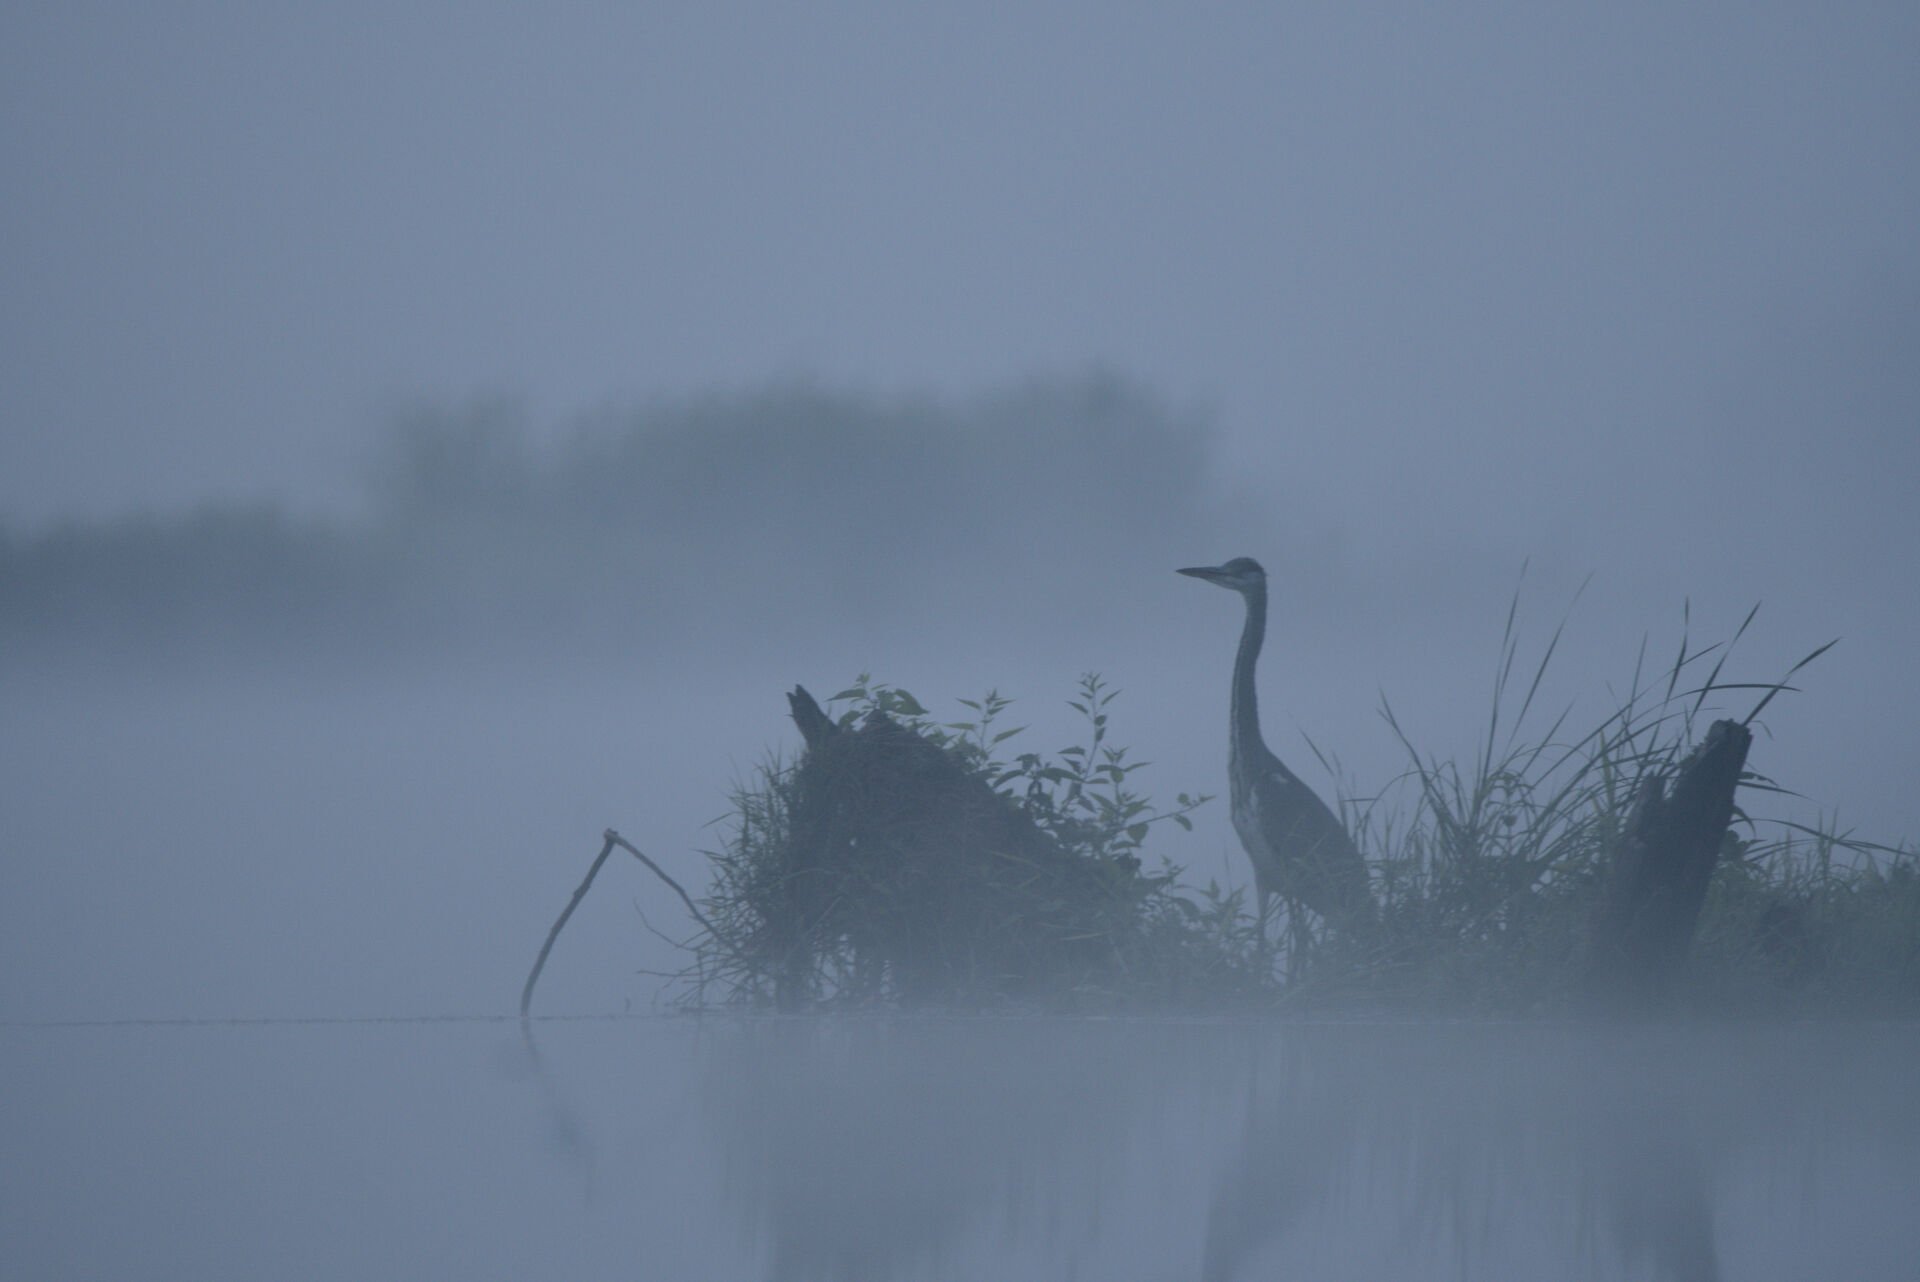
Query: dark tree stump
[918, 880]
[1659, 872]
[816, 727]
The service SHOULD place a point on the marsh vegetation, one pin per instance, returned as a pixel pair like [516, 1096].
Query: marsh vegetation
[907, 859]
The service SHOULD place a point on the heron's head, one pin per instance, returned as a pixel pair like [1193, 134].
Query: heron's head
[1242, 574]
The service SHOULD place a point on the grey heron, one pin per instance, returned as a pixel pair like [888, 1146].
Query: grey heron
[1299, 849]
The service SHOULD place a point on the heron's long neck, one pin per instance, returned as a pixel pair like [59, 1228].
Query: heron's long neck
[1245, 719]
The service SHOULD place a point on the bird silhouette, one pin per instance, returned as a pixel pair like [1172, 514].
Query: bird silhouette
[1299, 849]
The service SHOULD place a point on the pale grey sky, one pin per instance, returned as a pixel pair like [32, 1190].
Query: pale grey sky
[1477, 267]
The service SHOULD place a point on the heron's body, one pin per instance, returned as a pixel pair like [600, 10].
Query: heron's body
[1297, 845]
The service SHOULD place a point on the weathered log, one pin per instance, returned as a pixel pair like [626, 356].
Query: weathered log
[904, 868]
[816, 727]
[1660, 869]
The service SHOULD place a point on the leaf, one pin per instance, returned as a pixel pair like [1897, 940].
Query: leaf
[1006, 734]
[1761, 706]
[908, 704]
[858, 692]
[1137, 833]
[1184, 822]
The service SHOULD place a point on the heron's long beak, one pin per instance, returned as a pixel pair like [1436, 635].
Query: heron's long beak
[1211, 573]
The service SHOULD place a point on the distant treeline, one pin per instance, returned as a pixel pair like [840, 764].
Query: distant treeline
[675, 525]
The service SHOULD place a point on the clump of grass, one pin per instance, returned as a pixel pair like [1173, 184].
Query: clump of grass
[1035, 886]
[1491, 870]
[906, 859]
[1815, 920]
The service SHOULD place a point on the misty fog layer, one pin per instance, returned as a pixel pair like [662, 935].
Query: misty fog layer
[1626, 293]
[699, 526]
[263, 764]
[313, 711]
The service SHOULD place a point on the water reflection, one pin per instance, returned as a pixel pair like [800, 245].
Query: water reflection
[897, 1149]
[1654, 1193]
[1464, 1153]
[872, 1150]
[796, 1150]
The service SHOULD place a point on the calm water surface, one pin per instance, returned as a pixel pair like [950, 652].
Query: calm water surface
[959, 1148]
